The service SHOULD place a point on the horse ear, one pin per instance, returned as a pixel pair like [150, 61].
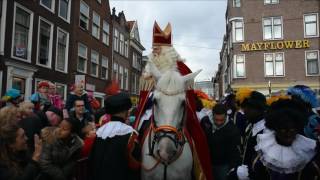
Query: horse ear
[191, 76]
[154, 70]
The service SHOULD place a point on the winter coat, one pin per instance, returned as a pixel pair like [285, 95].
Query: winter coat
[81, 123]
[58, 159]
[224, 145]
[29, 169]
[72, 97]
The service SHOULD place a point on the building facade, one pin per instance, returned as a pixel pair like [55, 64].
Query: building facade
[91, 43]
[206, 87]
[135, 54]
[64, 41]
[34, 44]
[270, 45]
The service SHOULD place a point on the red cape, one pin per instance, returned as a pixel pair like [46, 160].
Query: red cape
[200, 147]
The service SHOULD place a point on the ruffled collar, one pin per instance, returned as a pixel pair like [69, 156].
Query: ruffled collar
[114, 128]
[257, 127]
[284, 159]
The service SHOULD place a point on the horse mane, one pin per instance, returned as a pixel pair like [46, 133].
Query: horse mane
[171, 83]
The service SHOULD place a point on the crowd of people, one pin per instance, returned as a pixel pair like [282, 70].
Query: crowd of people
[45, 138]
[258, 138]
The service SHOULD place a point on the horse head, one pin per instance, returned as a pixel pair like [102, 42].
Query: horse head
[168, 113]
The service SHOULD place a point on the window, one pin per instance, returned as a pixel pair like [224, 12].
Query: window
[45, 35]
[236, 3]
[64, 9]
[84, 15]
[135, 62]
[48, 4]
[22, 33]
[61, 89]
[133, 84]
[312, 62]
[19, 84]
[62, 50]
[126, 48]
[125, 79]
[104, 67]
[272, 28]
[311, 27]
[238, 30]
[96, 25]
[239, 66]
[115, 71]
[94, 63]
[106, 32]
[82, 58]
[271, 1]
[121, 77]
[274, 64]
[116, 40]
[121, 44]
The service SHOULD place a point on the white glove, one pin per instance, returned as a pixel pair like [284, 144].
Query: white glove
[242, 172]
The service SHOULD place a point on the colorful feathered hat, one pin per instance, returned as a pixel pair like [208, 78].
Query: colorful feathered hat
[305, 93]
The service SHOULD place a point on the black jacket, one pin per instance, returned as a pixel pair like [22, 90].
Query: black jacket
[109, 158]
[58, 159]
[72, 97]
[224, 145]
[81, 123]
[28, 169]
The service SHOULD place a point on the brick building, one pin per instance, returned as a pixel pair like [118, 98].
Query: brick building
[34, 44]
[64, 41]
[270, 45]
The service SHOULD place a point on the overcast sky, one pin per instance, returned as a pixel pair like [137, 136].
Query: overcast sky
[198, 27]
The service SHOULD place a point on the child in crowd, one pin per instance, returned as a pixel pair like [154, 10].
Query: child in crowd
[90, 136]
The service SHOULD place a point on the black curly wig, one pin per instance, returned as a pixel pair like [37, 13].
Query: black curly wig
[284, 112]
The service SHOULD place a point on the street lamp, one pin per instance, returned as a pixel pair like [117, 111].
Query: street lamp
[269, 87]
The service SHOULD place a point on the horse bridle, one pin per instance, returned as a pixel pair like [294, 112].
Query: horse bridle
[166, 131]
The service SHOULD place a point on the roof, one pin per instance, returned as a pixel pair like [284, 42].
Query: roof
[130, 24]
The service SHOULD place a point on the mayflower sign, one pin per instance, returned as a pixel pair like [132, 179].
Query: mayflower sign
[275, 45]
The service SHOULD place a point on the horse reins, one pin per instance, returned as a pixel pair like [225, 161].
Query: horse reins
[178, 139]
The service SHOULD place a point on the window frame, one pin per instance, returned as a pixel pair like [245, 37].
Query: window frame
[96, 63]
[50, 43]
[87, 16]
[2, 26]
[235, 66]
[233, 30]
[65, 89]
[116, 40]
[96, 25]
[104, 66]
[53, 3]
[121, 44]
[107, 34]
[306, 65]
[272, 28]
[67, 51]
[86, 58]
[274, 64]
[29, 48]
[271, 2]
[317, 25]
[68, 13]
[234, 3]
[126, 48]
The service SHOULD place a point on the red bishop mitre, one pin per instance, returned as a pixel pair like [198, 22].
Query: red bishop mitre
[161, 37]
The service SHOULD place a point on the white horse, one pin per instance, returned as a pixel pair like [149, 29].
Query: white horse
[166, 154]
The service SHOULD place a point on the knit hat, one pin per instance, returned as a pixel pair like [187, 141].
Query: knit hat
[56, 111]
[12, 94]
